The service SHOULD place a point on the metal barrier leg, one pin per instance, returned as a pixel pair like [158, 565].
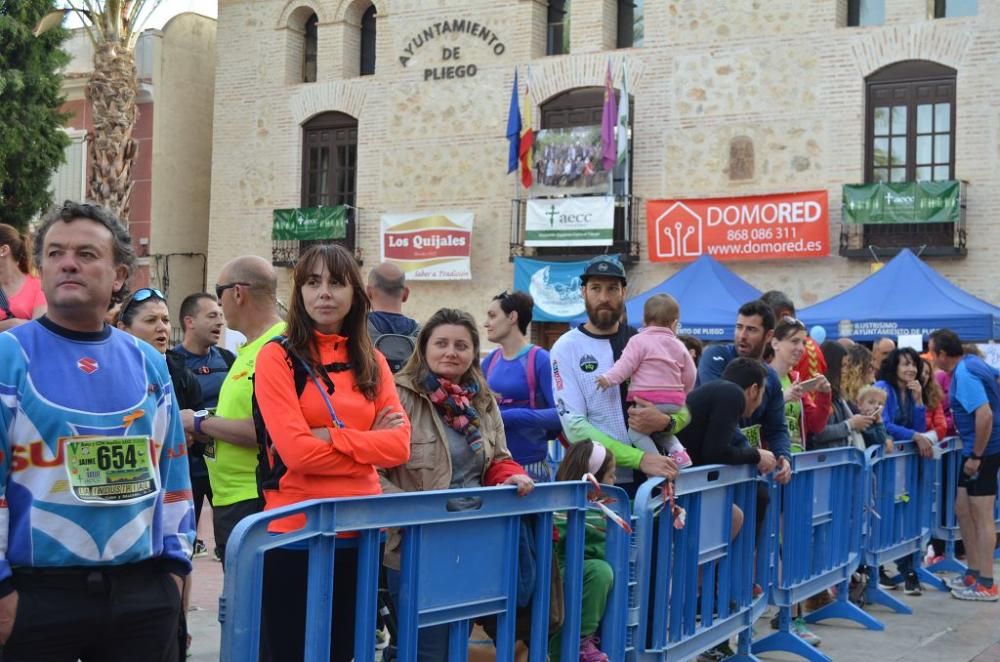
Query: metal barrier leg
[875, 594]
[783, 640]
[949, 563]
[458, 641]
[844, 608]
[743, 646]
[929, 577]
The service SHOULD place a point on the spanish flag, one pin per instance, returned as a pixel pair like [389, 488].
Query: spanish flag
[527, 146]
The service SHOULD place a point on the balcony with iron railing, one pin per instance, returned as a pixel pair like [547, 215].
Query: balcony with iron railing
[295, 230]
[624, 239]
[879, 220]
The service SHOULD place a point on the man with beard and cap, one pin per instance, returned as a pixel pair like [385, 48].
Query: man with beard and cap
[767, 426]
[589, 350]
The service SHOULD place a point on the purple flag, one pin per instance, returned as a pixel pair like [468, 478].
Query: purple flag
[609, 118]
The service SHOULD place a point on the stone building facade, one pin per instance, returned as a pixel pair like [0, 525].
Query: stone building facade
[730, 99]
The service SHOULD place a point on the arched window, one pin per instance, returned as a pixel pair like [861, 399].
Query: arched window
[368, 42]
[583, 106]
[910, 120]
[310, 50]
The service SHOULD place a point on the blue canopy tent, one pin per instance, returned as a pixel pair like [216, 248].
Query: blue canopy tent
[709, 295]
[905, 297]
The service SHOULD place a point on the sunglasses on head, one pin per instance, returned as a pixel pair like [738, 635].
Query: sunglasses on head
[219, 289]
[141, 295]
[788, 319]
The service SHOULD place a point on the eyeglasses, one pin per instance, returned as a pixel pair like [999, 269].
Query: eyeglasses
[219, 289]
[139, 296]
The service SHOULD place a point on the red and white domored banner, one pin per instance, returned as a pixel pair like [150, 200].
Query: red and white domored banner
[762, 227]
[429, 245]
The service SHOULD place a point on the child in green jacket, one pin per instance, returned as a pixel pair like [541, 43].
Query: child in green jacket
[587, 457]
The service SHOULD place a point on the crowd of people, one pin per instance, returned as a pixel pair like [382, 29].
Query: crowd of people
[112, 440]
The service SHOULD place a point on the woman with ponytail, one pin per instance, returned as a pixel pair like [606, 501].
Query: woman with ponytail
[21, 297]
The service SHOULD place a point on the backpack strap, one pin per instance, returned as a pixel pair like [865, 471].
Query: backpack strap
[491, 362]
[300, 368]
[227, 356]
[532, 379]
[5, 306]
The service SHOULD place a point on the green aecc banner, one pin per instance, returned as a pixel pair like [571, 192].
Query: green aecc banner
[902, 202]
[310, 223]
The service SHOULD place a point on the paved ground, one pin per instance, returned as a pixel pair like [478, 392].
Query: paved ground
[941, 629]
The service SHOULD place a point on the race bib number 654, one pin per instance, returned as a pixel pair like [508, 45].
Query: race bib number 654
[111, 469]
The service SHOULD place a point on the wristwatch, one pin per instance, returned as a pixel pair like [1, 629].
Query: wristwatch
[977, 458]
[200, 416]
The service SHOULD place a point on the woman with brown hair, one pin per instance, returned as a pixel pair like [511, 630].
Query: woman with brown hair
[457, 436]
[331, 416]
[21, 296]
[858, 373]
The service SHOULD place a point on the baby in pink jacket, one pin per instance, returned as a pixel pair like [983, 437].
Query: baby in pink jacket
[661, 371]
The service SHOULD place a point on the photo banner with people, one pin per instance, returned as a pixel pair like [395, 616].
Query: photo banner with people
[583, 221]
[429, 245]
[778, 226]
[568, 162]
[555, 287]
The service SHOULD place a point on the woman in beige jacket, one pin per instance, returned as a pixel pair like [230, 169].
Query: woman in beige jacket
[457, 437]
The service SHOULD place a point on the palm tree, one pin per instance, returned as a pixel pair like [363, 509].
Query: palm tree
[114, 27]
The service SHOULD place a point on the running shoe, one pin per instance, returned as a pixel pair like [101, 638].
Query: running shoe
[720, 652]
[978, 592]
[958, 582]
[804, 633]
[681, 458]
[199, 549]
[589, 652]
[912, 585]
[885, 581]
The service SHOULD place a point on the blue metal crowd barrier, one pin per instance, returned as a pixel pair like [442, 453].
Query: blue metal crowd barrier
[820, 513]
[456, 566]
[898, 522]
[945, 527]
[696, 584]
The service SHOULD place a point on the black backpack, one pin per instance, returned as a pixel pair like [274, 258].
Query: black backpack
[395, 347]
[270, 467]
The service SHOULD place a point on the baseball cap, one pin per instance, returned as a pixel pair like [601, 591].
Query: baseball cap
[608, 266]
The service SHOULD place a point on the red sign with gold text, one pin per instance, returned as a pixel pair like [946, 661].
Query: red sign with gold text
[429, 246]
[762, 227]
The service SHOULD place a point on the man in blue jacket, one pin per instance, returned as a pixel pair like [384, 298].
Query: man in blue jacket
[975, 403]
[766, 427]
[96, 517]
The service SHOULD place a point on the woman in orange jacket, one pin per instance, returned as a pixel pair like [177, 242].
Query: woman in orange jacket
[325, 435]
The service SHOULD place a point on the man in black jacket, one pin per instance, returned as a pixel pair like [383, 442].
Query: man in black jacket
[713, 436]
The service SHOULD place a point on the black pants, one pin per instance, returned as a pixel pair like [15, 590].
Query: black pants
[283, 613]
[201, 489]
[116, 614]
[225, 519]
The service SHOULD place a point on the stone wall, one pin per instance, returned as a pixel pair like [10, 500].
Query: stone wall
[784, 74]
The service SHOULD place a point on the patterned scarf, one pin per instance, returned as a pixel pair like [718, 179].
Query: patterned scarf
[454, 403]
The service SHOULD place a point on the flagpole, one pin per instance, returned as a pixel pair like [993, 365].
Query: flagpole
[521, 220]
[628, 154]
